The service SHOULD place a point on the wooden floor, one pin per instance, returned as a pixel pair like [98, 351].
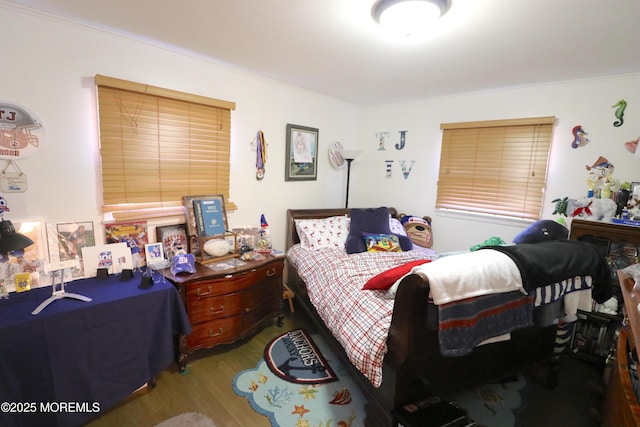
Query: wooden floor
[205, 387]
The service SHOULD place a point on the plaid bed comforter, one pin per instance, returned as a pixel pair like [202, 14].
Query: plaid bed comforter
[358, 319]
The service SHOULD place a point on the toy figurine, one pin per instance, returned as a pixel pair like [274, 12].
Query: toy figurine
[622, 198]
[263, 243]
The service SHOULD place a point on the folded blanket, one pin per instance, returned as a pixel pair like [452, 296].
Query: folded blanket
[465, 324]
[472, 274]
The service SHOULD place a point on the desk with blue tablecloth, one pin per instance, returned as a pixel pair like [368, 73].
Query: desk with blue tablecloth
[75, 359]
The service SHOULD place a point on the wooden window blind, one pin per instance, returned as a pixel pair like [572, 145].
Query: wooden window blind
[157, 145]
[495, 167]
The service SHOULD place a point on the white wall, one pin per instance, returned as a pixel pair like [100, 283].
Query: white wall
[49, 66]
[586, 103]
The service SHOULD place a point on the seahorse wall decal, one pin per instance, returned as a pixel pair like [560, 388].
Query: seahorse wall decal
[619, 106]
[579, 137]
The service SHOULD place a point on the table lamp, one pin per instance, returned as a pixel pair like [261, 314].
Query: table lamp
[10, 240]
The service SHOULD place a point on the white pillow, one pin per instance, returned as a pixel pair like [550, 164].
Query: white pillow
[321, 233]
[396, 226]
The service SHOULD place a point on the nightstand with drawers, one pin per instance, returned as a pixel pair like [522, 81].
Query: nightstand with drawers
[227, 305]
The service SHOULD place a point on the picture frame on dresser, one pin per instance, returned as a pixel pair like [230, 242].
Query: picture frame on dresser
[192, 228]
[187, 202]
[154, 253]
[174, 238]
[211, 216]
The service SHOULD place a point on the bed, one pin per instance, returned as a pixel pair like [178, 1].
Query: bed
[407, 360]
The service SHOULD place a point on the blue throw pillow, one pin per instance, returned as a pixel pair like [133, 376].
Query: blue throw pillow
[373, 220]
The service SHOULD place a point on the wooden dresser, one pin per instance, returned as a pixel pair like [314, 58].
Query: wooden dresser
[621, 408]
[227, 305]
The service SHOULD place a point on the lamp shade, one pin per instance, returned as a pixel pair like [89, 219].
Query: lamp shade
[350, 154]
[10, 240]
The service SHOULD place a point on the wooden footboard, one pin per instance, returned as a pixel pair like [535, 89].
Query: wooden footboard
[413, 365]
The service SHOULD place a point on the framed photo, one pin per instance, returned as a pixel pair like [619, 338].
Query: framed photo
[154, 253]
[211, 216]
[173, 238]
[133, 233]
[247, 237]
[72, 237]
[301, 162]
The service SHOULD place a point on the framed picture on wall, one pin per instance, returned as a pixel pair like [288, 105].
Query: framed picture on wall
[301, 162]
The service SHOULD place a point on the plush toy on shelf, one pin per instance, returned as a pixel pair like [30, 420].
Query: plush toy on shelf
[594, 209]
[586, 208]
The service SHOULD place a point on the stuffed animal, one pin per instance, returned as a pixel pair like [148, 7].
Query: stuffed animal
[543, 230]
[593, 209]
[418, 229]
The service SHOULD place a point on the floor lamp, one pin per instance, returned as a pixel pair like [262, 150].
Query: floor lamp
[349, 156]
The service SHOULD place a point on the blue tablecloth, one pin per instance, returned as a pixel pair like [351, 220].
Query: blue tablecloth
[76, 360]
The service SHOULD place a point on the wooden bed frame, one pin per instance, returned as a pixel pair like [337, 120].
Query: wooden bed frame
[413, 366]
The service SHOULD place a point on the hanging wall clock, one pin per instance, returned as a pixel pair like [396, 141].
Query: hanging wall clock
[21, 132]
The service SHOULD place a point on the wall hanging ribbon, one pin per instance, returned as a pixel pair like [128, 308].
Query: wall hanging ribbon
[261, 155]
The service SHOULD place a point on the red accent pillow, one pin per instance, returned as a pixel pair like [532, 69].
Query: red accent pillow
[386, 279]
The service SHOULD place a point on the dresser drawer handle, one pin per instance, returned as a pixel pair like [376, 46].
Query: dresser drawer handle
[271, 272]
[215, 334]
[201, 294]
[212, 310]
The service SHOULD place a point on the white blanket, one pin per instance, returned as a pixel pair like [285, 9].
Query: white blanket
[472, 274]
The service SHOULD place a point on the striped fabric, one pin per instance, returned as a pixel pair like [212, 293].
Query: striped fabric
[551, 293]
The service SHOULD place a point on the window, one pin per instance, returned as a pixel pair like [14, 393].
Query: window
[157, 145]
[495, 167]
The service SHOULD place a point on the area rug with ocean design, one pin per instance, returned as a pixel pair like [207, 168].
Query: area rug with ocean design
[301, 383]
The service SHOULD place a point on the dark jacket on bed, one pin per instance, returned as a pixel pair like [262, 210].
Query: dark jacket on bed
[544, 263]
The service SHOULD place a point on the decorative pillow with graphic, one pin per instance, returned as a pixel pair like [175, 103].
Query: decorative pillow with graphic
[381, 242]
[418, 230]
[372, 220]
[384, 280]
[321, 233]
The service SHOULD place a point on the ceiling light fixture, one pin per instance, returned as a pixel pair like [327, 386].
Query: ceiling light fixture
[408, 17]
